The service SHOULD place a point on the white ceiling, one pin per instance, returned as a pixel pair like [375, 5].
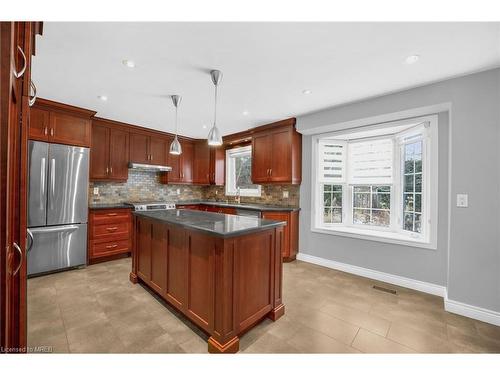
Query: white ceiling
[266, 67]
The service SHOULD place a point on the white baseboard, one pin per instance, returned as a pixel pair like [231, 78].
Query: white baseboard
[405, 282]
[474, 312]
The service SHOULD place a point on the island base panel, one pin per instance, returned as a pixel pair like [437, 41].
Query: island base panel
[276, 313]
[231, 346]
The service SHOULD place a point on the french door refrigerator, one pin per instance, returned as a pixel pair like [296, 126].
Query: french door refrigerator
[57, 206]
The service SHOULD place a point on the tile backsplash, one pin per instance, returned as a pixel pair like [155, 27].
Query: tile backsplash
[142, 186]
[145, 186]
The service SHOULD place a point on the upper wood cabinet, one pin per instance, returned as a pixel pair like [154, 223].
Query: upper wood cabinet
[182, 165]
[217, 166]
[208, 164]
[109, 153]
[60, 123]
[147, 149]
[276, 154]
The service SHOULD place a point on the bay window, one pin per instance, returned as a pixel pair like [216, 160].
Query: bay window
[378, 182]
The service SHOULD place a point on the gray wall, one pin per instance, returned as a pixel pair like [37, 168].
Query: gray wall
[470, 265]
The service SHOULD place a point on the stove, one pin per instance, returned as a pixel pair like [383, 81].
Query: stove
[152, 206]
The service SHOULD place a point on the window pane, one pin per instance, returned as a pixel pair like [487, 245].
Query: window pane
[418, 225]
[408, 202]
[408, 183]
[361, 189]
[381, 189]
[361, 216]
[327, 215]
[408, 221]
[337, 200]
[418, 202]
[418, 166]
[418, 182]
[337, 188]
[337, 215]
[327, 199]
[409, 166]
[381, 200]
[362, 200]
[327, 188]
[381, 217]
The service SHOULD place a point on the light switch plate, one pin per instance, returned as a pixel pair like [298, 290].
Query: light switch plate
[285, 194]
[96, 191]
[462, 200]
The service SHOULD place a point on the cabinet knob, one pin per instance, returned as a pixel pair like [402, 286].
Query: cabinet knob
[52, 131]
[45, 131]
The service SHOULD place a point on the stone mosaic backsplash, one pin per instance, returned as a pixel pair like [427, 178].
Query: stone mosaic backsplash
[145, 186]
[142, 186]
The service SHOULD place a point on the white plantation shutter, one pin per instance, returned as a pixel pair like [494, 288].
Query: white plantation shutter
[331, 161]
[370, 162]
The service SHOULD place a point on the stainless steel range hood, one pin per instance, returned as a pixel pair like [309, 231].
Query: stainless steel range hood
[149, 167]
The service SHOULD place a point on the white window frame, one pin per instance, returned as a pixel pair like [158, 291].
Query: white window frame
[230, 183]
[394, 233]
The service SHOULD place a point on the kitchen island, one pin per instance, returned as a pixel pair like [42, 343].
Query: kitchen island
[223, 272]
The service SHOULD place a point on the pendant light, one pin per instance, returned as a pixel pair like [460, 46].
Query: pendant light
[214, 137]
[175, 146]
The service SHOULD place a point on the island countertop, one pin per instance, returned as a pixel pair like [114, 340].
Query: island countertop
[220, 225]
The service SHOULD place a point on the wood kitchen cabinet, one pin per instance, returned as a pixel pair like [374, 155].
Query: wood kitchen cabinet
[109, 153]
[60, 123]
[109, 234]
[291, 231]
[276, 154]
[209, 163]
[148, 149]
[182, 165]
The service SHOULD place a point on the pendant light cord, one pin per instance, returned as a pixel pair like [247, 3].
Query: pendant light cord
[176, 121]
[215, 106]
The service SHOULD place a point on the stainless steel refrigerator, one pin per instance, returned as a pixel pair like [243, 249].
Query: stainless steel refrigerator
[57, 206]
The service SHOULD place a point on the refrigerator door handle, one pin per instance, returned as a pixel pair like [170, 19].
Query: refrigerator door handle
[30, 235]
[64, 228]
[42, 182]
[16, 246]
[52, 181]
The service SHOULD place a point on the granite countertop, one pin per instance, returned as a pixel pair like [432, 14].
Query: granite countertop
[103, 206]
[245, 206]
[220, 225]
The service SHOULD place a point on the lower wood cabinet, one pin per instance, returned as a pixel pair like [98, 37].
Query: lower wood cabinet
[109, 233]
[291, 231]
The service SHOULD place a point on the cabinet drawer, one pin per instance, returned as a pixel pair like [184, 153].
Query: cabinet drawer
[109, 248]
[112, 231]
[111, 217]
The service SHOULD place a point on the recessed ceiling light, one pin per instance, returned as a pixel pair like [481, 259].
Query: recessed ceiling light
[104, 98]
[128, 63]
[412, 59]
[204, 126]
[245, 113]
[306, 92]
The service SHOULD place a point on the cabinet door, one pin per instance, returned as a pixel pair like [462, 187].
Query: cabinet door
[201, 163]
[281, 216]
[69, 130]
[118, 154]
[187, 161]
[139, 150]
[261, 151]
[39, 125]
[157, 150]
[281, 156]
[174, 175]
[159, 234]
[143, 244]
[217, 166]
[99, 153]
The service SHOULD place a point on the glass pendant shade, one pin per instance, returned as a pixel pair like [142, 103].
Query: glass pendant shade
[214, 137]
[175, 147]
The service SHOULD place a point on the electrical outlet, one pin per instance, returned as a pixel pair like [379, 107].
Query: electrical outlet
[462, 200]
[216, 192]
[96, 191]
[178, 191]
[285, 194]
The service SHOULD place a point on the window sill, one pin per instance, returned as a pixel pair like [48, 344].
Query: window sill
[370, 235]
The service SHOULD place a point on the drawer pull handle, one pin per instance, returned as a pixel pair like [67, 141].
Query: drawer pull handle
[112, 229]
[111, 246]
[112, 214]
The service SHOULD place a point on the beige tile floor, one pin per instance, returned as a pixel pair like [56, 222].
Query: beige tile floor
[97, 310]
